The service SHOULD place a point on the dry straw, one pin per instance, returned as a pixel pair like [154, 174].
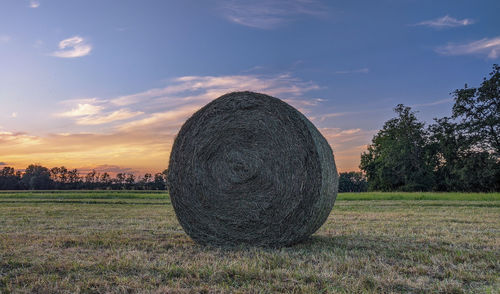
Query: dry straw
[248, 168]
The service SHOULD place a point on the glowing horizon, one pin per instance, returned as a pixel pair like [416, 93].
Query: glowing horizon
[142, 142]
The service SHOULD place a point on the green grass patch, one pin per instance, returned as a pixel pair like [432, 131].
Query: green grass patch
[163, 195]
[445, 196]
[84, 195]
[125, 242]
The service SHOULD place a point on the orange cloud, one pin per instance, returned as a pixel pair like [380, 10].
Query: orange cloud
[121, 114]
[347, 146]
[103, 134]
[141, 152]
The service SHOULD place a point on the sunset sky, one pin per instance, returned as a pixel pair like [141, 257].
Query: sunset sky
[107, 84]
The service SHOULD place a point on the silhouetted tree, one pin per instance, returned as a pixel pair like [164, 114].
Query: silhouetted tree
[120, 180]
[129, 181]
[63, 175]
[54, 175]
[37, 177]
[478, 110]
[9, 179]
[165, 176]
[159, 182]
[465, 146]
[449, 147]
[458, 153]
[90, 180]
[73, 179]
[459, 166]
[105, 181]
[398, 158]
[352, 182]
[145, 182]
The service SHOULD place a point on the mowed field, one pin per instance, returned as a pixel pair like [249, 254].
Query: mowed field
[131, 242]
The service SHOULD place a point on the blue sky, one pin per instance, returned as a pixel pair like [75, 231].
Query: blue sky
[107, 84]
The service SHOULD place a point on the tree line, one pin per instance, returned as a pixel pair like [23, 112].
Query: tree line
[456, 153]
[37, 177]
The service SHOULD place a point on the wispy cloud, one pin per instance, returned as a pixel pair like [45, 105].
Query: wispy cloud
[199, 89]
[83, 109]
[118, 115]
[140, 128]
[361, 70]
[5, 38]
[108, 168]
[171, 105]
[3, 163]
[73, 47]
[268, 14]
[326, 116]
[17, 138]
[91, 112]
[173, 118]
[487, 46]
[34, 3]
[446, 22]
[347, 145]
[437, 102]
[38, 44]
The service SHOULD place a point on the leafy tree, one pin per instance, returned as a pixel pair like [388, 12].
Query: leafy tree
[465, 146]
[479, 112]
[106, 181]
[130, 180]
[159, 182]
[165, 176]
[73, 179]
[9, 179]
[398, 158]
[145, 182]
[479, 172]
[352, 182]
[63, 175]
[459, 166]
[90, 179]
[37, 177]
[54, 175]
[448, 146]
[120, 180]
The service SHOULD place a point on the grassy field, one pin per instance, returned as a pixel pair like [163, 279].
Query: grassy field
[131, 242]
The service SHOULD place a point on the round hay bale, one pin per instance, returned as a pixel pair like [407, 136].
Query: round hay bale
[248, 168]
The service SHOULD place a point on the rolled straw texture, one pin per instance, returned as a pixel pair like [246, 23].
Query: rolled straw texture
[248, 168]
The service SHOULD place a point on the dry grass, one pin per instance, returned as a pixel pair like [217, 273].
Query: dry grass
[136, 245]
